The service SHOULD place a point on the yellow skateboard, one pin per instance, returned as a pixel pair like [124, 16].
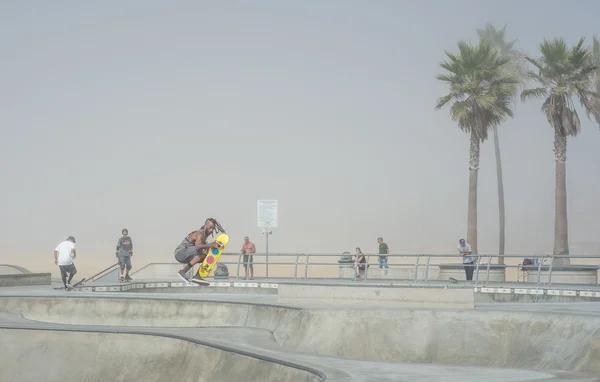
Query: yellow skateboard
[210, 261]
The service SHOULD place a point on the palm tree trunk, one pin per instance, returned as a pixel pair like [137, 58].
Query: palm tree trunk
[597, 100]
[472, 212]
[561, 229]
[500, 198]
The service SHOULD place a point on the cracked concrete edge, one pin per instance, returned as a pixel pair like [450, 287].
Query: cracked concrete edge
[151, 298]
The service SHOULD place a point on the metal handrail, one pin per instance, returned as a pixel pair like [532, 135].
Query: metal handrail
[99, 275]
[298, 257]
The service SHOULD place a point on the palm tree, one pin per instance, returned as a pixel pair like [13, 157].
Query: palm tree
[596, 58]
[562, 73]
[481, 94]
[496, 39]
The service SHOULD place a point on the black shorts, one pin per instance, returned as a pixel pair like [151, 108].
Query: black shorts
[70, 269]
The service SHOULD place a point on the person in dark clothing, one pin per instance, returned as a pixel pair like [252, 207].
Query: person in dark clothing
[383, 252]
[124, 253]
[361, 261]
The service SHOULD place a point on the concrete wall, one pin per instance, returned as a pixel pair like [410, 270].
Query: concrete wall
[561, 276]
[440, 336]
[44, 355]
[421, 297]
[457, 271]
[25, 279]
[392, 273]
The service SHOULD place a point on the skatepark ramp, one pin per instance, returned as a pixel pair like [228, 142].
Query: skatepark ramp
[552, 341]
[7, 269]
[53, 355]
[14, 275]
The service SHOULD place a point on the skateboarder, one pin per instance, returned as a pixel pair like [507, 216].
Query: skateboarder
[193, 249]
[124, 253]
[64, 254]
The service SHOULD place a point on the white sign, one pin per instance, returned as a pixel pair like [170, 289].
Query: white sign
[267, 214]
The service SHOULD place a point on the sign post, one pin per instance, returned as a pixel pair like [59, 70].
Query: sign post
[267, 220]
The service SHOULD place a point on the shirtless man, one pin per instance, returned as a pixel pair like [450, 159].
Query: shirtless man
[247, 249]
[193, 249]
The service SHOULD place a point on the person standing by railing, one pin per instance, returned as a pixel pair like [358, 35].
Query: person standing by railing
[465, 249]
[383, 250]
[247, 249]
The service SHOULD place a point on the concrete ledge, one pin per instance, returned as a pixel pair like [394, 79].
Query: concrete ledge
[404, 273]
[206, 290]
[457, 271]
[347, 271]
[25, 279]
[414, 297]
[533, 294]
[574, 274]
[180, 287]
[486, 298]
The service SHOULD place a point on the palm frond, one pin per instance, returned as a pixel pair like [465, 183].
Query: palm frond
[562, 73]
[533, 93]
[481, 87]
[442, 101]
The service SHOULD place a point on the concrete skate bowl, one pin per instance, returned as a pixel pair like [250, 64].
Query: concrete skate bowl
[49, 355]
[7, 269]
[529, 341]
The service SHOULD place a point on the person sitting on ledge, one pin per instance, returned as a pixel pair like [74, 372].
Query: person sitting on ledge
[360, 262]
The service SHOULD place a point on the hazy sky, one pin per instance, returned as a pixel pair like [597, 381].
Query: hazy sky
[153, 115]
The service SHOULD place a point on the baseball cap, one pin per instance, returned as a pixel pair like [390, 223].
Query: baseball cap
[71, 238]
[461, 241]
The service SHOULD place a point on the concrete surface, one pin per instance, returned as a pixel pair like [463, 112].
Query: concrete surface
[415, 297]
[574, 274]
[16, 279]
[94, 356]
[457, 271]
[506, 292]
[251, 342]
[345, 342]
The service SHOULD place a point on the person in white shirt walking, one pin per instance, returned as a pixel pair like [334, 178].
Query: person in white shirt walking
[64, 254]
[465, 249]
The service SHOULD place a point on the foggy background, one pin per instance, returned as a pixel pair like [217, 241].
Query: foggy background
[154, 115]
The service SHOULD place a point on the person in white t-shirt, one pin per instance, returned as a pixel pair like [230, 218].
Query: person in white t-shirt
[64, 254]
[465, 250]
